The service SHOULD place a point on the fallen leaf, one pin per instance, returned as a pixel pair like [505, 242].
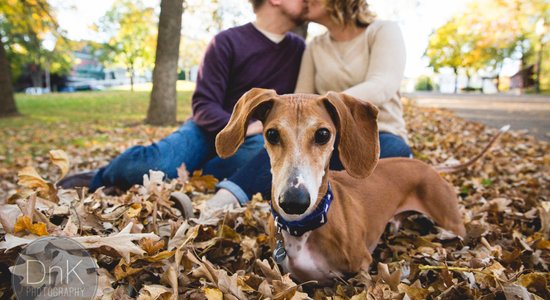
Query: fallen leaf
[8, 216]
[61, 160]
[11, 241]
[29, 178]
[153, 292]
[123, 270]
[122, 242]
[202, 183]
[24, 223]
[392, 279]
[213, 294]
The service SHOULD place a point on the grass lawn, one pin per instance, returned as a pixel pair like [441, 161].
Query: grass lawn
[110, 120]
[111, 106]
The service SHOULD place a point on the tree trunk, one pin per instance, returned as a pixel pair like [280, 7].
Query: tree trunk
[131, 71]
[36, 76]
[162, 106]
[7, 101]
[456, 80]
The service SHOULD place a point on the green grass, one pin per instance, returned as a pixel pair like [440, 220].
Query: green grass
[113, 106]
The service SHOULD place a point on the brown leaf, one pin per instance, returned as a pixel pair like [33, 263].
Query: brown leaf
[153, 292]
[159, 256]
[181, 236]
[202, 183]
[123, 270]
[61, 160]
[133, 211]
[393, 279]
[415, 291]
[29, 178]
[544, 211]
[171, 277]
[213, 294]
[536, 283]
[150, 246]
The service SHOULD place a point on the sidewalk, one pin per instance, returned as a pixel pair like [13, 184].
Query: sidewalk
[529, 112]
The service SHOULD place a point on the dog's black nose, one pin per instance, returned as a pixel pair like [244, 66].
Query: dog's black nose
[295, 201]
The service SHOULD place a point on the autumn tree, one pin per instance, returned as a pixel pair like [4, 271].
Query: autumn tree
[26, 27]
[494, 35]
[537, 53]
[446, 47]
[162, 106]
[129, 26]
[486, 34]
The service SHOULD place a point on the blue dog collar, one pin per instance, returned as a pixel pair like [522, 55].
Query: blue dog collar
[313, 221]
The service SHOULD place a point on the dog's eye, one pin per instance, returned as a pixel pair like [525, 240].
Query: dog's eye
[322, 136]
[272, 136]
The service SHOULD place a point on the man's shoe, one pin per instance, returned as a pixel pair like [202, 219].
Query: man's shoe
[82, 179]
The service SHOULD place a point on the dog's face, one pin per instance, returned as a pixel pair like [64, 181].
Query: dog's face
[300, 132]
[299, 137]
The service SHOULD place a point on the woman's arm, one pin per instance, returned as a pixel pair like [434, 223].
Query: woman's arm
[306, 77]
[386, 66]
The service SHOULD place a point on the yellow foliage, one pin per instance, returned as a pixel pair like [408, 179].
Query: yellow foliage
[24, 223]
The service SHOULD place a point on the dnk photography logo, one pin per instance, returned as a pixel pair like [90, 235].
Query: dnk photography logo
[54, 268]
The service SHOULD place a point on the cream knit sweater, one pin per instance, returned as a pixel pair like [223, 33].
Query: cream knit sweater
[369, 67]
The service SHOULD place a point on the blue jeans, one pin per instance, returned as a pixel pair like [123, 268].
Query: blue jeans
[255, 176]
[189, 144]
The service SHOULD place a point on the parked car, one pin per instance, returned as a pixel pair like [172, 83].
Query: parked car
[35, 90]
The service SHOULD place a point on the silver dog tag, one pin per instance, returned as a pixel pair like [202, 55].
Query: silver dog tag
[279, 254]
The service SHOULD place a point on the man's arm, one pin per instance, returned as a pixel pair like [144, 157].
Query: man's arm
[212, 82]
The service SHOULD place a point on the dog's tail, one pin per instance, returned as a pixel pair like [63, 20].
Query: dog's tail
[455, 168]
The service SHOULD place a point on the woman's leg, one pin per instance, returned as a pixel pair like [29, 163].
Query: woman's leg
[392, 145]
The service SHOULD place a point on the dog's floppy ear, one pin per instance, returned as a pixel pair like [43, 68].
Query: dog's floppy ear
[359, 147]
[254, 103]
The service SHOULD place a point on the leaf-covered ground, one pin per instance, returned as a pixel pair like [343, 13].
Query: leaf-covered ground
[151, 251]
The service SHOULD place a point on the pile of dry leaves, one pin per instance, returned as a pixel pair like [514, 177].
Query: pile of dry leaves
[147, 248]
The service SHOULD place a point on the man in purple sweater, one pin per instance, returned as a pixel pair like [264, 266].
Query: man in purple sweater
[259, 54]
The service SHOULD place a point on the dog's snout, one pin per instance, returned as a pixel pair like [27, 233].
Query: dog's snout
[295, 200]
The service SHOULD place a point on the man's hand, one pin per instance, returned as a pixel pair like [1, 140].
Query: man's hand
[255, 127]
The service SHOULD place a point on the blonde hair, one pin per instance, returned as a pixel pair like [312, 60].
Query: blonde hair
[348, 12]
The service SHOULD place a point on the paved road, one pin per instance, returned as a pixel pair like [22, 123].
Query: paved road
[521, 112]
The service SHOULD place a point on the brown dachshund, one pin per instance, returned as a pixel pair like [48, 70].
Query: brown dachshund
[331, 221]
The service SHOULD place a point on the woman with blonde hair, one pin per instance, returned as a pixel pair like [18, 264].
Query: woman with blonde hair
[358, 55]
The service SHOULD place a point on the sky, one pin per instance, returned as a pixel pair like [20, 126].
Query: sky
[417, 18]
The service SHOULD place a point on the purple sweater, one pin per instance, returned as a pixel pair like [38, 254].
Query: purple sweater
[237, 60]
